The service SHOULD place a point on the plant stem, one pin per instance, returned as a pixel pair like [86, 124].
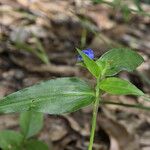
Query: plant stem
[83, 38]
[95, 110]
[138, 106]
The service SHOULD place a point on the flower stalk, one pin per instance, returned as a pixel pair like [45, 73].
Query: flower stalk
[94, 117]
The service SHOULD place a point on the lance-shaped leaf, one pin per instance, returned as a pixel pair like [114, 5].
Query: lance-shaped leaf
[121, 59]
[90, 64]
[119, 87]
[31, 123]
[58, 96]
[35, 145]
[10, 140]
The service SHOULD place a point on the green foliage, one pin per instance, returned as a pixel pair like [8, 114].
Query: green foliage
[138, 4]
[124, 8]
[57, 96]
[97, 1]
[90, 64]
[10, 140]
[38, 51]
[119, 86]
[110, 64]
[104, 66]
[126, 11]
[137, 106]
[120, 59]
[31, 123]
[65, 95]
[35, 145]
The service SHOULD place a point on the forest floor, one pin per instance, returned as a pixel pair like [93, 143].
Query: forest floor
[37, 42]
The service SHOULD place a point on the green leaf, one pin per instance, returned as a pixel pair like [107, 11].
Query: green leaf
[10, 140]
[121, 59]
[119, 87]
[31, 123]
[35, 145]
[104, 66]
[97, 1]
[138, 4]
[58, 96]
[126, 12]
[90, 64]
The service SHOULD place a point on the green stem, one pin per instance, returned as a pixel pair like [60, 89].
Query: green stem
[95, 110]
[83, 38]
[138, 106]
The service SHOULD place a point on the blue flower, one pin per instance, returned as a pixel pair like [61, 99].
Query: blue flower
[89, 52]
